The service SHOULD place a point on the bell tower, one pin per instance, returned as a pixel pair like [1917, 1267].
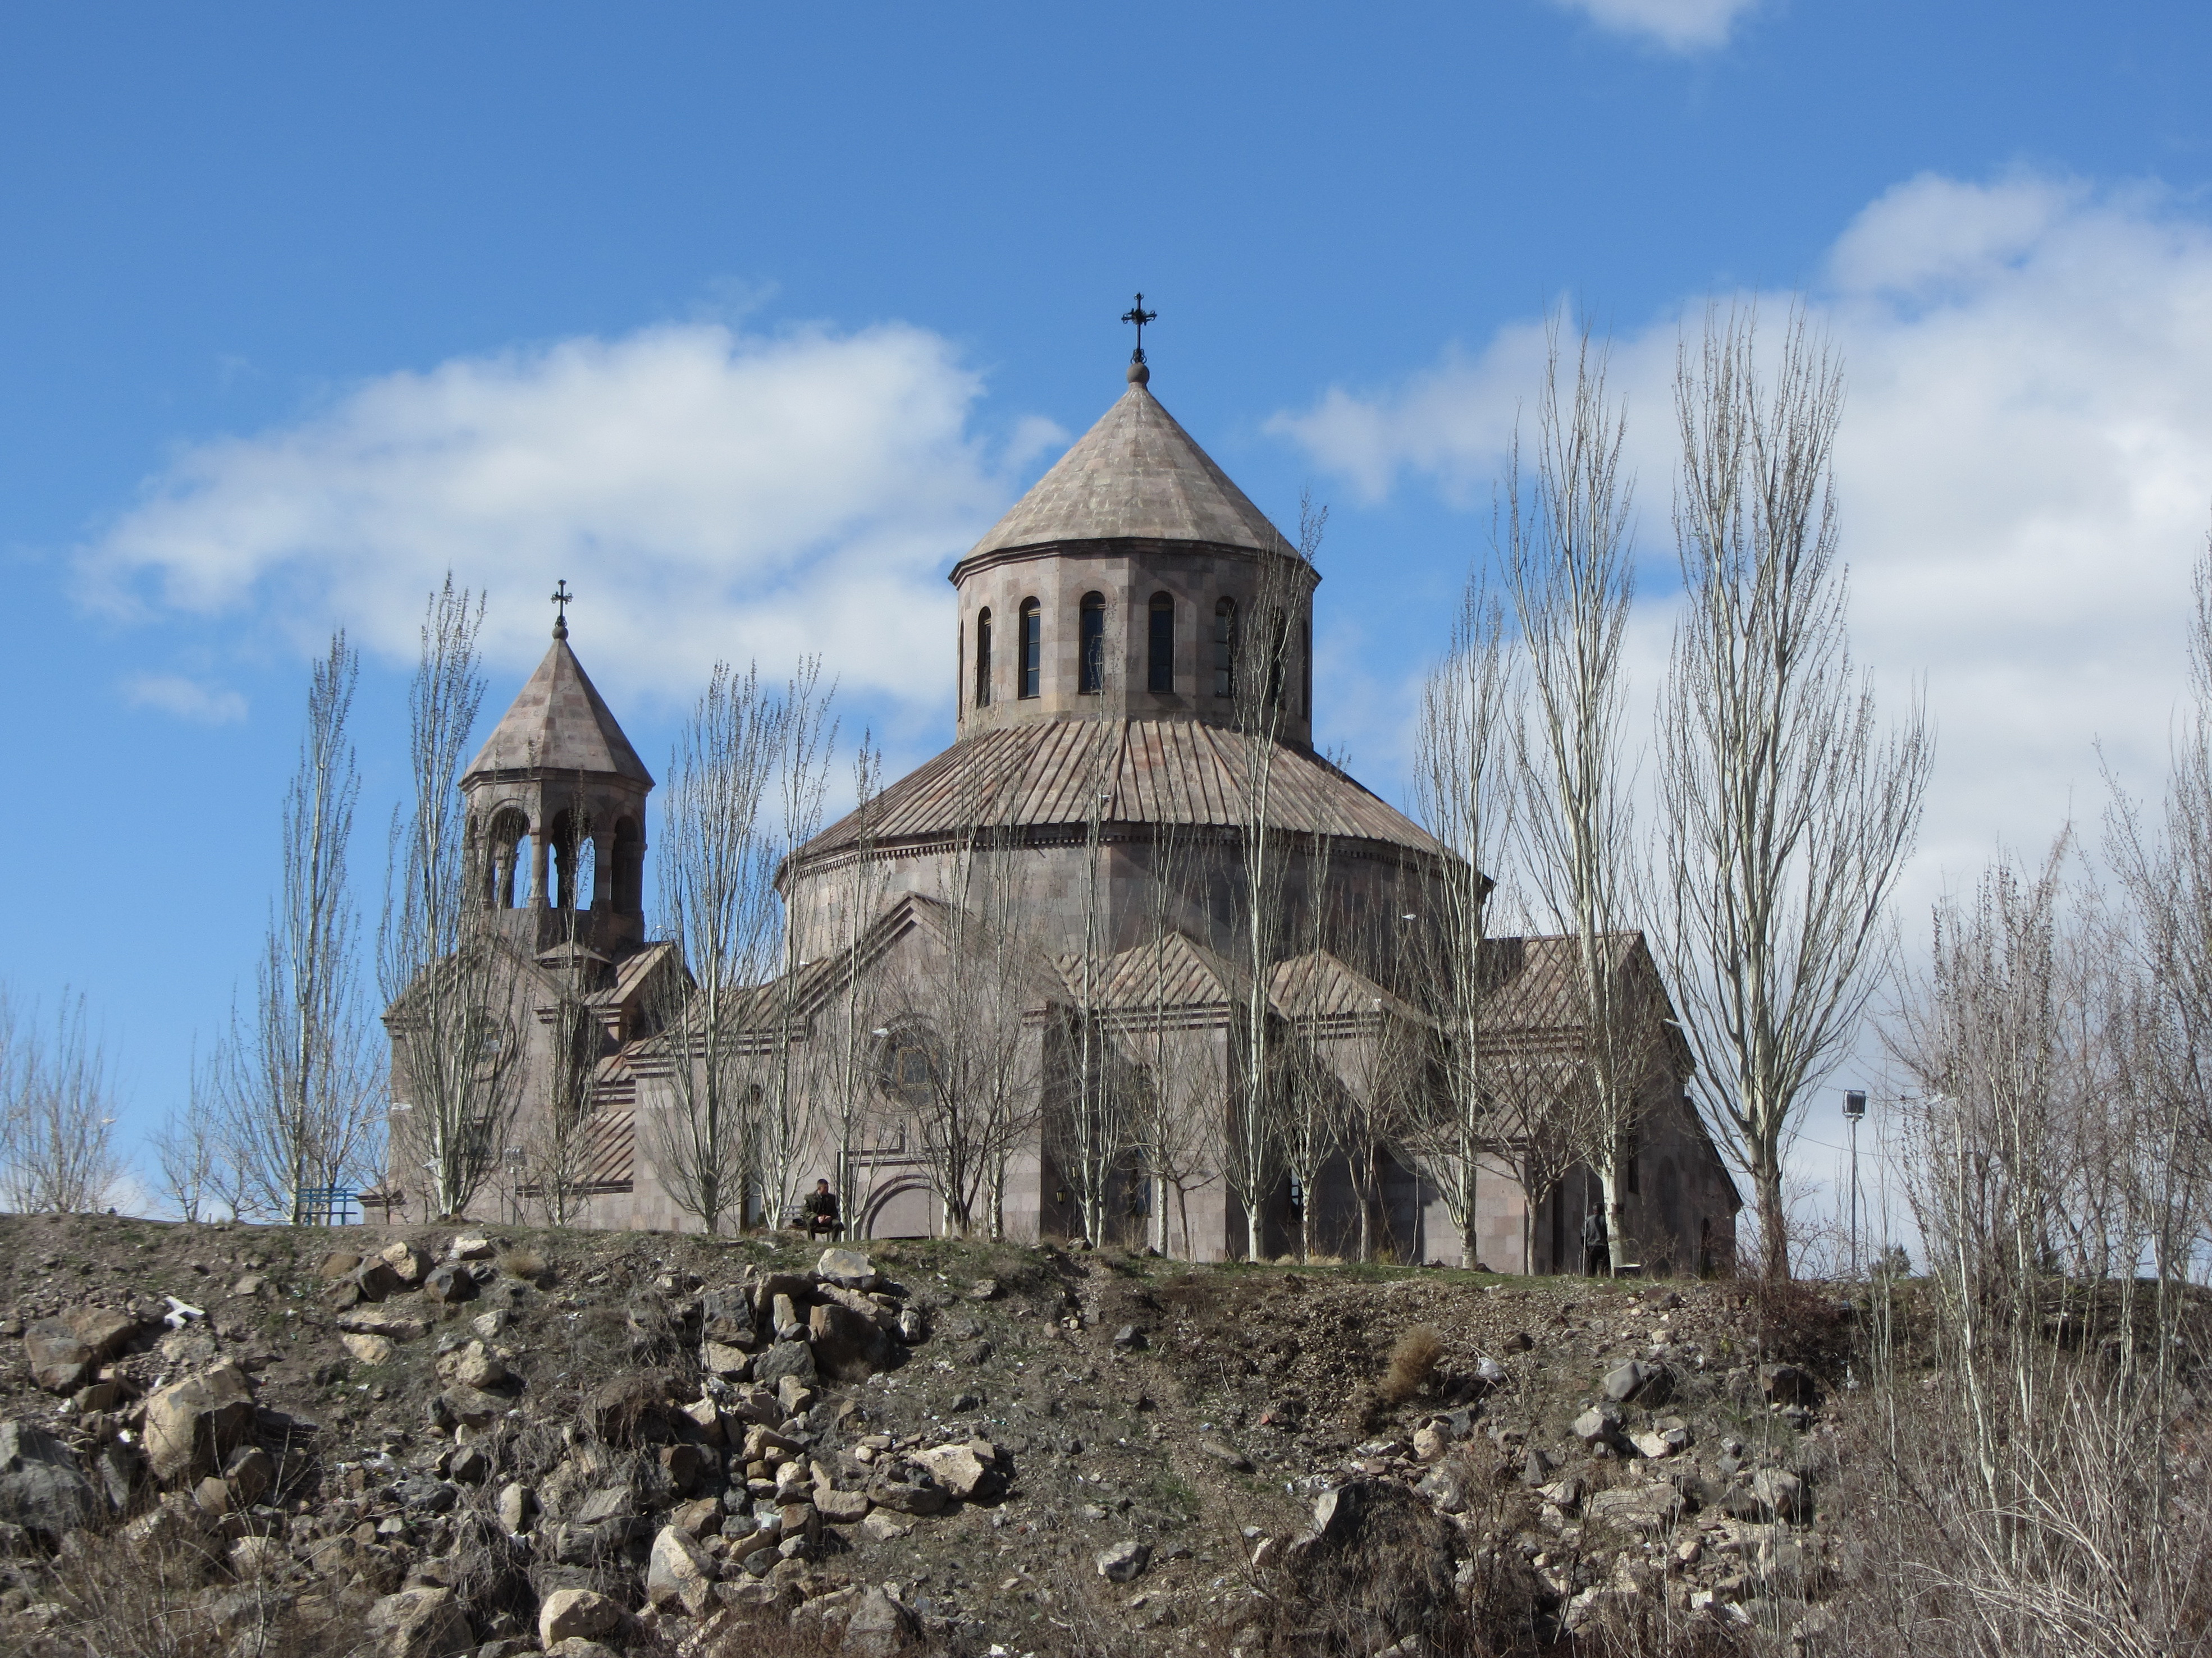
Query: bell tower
[556, 803]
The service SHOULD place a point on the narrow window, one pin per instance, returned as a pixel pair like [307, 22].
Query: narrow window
[983, 658]
[1225, 647]
[1091, 678]
[1305, 666]
[1160, 670]
[1032, 649]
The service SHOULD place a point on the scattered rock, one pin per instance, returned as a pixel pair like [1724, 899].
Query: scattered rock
[1380, 1559]
[42, 1488]
[848, 1268]
[958, 1468]
[785, 1358]
[1782, 1491]
[192, 1424]
[408, 1264]
[567, 1612]
[679, 1571]
[473, 1366]
[1785, 1384]
[368, 1349]
[337, 1265]
[983, 1289]
[470, 1247]
[884, 1527]
[841, 1508]
[60, 1360]
[1124, 1561]
[1227, 1455]
[518, 1508]
[632, 1410]
[419, 1623]
[451, 1283]
[1624, 1382]
[392, 1325]
[1599, 1422]
[879, 1625]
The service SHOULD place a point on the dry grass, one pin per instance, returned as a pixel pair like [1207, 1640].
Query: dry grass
[1414, 1361]
[523, 1263]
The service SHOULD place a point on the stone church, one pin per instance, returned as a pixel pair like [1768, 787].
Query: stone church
[1063, 895]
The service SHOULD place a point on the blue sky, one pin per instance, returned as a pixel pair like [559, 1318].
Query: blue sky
[747, 320]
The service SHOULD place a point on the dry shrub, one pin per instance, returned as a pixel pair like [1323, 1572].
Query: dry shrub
[1413, 1361]
[527, 1264]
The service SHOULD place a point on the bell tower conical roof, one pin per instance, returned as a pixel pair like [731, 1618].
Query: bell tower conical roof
[559, 722]
[1137, 474]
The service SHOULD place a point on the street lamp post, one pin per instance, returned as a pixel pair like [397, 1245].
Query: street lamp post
[1854, 1113]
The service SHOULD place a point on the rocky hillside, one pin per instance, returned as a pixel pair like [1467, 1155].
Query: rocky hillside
[416, 1443]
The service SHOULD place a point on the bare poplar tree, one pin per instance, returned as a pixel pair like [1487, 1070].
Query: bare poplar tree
[300, 1083]
[447, 979]
[1176, 1106]
[1090, 1134]
[1570, 583]
[964, 1012]
[1257, 654]
[57, 1111]
[1463, 791]
[853, 1088]
[1786, 813]
[1312, 1116]
[715, 865]
[807, 735]
[190, 1157]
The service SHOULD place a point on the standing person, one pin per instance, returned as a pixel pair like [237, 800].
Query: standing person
[1597, 1256]
[821, 1212]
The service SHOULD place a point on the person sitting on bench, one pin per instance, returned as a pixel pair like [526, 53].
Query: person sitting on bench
[821, 1212]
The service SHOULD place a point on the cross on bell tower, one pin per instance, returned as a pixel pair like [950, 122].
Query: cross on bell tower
[562, 600]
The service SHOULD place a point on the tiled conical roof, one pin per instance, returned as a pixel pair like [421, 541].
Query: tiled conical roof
[1136, 473]
[560, 723]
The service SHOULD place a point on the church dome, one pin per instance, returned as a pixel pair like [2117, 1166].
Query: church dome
[1136, 475]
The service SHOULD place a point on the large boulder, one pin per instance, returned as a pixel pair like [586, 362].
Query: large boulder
[570, 1612]
[42, 1488]
[726, 1317]
[1625, 1381]
[1375, 1567]
[792, 1358]
[59, 1358]
[679, 1572]
[451, 1283]
[419, 1623]
[466, 1407]
[193, 1424]
[407, 1262]
[846, 1344]
[632, 1410]
[879, 1625]
[848, 1268]
[967, 1470]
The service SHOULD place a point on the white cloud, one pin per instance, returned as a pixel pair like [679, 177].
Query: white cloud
[186, 698]
[1677, 25]
[706, 495]
[2025, 469]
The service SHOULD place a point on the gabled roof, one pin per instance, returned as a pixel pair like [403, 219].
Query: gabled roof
[1151, 771]
[1175, 972]
[559, 722]
[1136, 473]
[1321, 986]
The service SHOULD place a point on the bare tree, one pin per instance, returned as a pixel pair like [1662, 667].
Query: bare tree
[1090, 1134]
[57, 1111]
[1787, 815]
[189, 1154]
[962, 1015]
[807, 735]
[1463, 791]
[1255, 656]
[852, 1087]
[715, 870]
[449, 981]
[299, 1083]
[1177, 1102]
[1570, 582]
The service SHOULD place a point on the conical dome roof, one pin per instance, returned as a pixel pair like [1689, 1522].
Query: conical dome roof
[1138, 474]
[559, 722]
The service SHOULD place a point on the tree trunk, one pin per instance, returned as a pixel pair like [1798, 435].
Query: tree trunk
[1773, 1220]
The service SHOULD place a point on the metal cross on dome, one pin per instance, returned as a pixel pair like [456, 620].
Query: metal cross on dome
[561, 600]
[1137, 314]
